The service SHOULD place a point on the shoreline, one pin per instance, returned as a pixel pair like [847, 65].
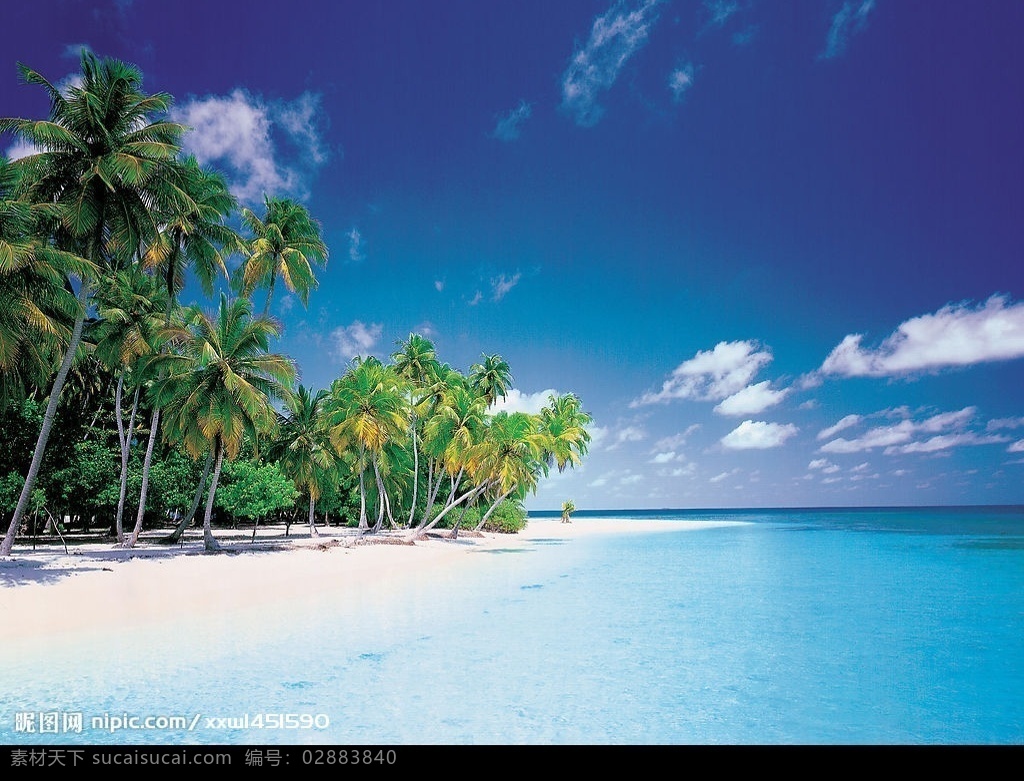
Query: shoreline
[46, 593]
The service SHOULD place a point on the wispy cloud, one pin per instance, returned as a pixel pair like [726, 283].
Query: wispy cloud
[847, 22]
[719, 11]
[680, 81]
[934, 433]
[758, 435]
[508, 126]
[956, 335]
[615, 37]
[356, 339]
[73, 51]
[1016, 447]
[476, 299]
[239, 133]
[356, 245]
[751, 400]
[844, 423]
[501, 285]
[711, 375]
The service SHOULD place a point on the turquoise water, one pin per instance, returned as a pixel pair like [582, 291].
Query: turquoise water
[794, 626]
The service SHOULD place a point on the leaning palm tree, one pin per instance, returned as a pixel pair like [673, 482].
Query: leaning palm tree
[286, 243]
[303, 446]
[220, 385]
[37, 309]
[568, 508]
[100, 162]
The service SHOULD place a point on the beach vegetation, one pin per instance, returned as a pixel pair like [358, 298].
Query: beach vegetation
[101, 226]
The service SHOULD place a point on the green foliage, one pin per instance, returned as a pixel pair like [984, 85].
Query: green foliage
[10, 490]
[251, 491]
[509, 517]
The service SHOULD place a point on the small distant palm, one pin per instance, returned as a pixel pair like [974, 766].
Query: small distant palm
[491, 378]
[568, 508]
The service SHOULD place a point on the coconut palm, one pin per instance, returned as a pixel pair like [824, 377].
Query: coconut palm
[37, 309]
[286, 243]
[100, 159]
[220, 385]
[416, 362]
[564, 422]
[130, 305]
[510, 457]
[303, 446]
[367, 410]
[568, 508]
[491, 378]
[192, 232]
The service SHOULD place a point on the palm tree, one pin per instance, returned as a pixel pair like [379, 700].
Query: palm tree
[130, 307]
[36, 307]
[100, 165]
[367, 410]
[219, 387]
[416, 362]
[564, 422]
[286, 243]
[568, 508]
[192, 233]
[491, 378]
[511, 457]
[303, 446]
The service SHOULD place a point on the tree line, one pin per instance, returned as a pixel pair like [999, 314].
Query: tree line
[166, 409]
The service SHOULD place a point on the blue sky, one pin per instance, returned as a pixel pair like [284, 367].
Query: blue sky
[775, 247]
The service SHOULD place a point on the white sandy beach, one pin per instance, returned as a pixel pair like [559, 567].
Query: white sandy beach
[45, 592]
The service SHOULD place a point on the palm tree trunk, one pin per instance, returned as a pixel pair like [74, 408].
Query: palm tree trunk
[208, 541]
[471, 493]
[380, 498]
[196, 499]
[48, 418]
[312, 518]
[363, 526]
[153, 426]
[125, 439]
[415, 463]
[492, 508]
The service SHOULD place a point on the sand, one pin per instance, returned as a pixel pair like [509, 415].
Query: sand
[48, 593]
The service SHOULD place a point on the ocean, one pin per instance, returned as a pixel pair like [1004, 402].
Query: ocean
[806, 626]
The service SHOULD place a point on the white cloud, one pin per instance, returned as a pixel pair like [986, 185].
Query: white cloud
[438, 285]
[1016, 447]
[848, 21]
[597, 435]
[631, 479]
[476, 299]
[356, 339]
[758, 435]
[844, 423]
[73, 51]
[628, 434]
[900, 434]
[355, 246]
[236, 133]
[998, 423]
[666, 457]
[944, 442]
[956, 335]
[711, 375]
[723, 476]
[508, 127]
[676, 440]
[517, 401]
[615, 37]
[818, 463]
[751, 400]
[680, 80]
[500, 285]
[598, 482]
[860, 467]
